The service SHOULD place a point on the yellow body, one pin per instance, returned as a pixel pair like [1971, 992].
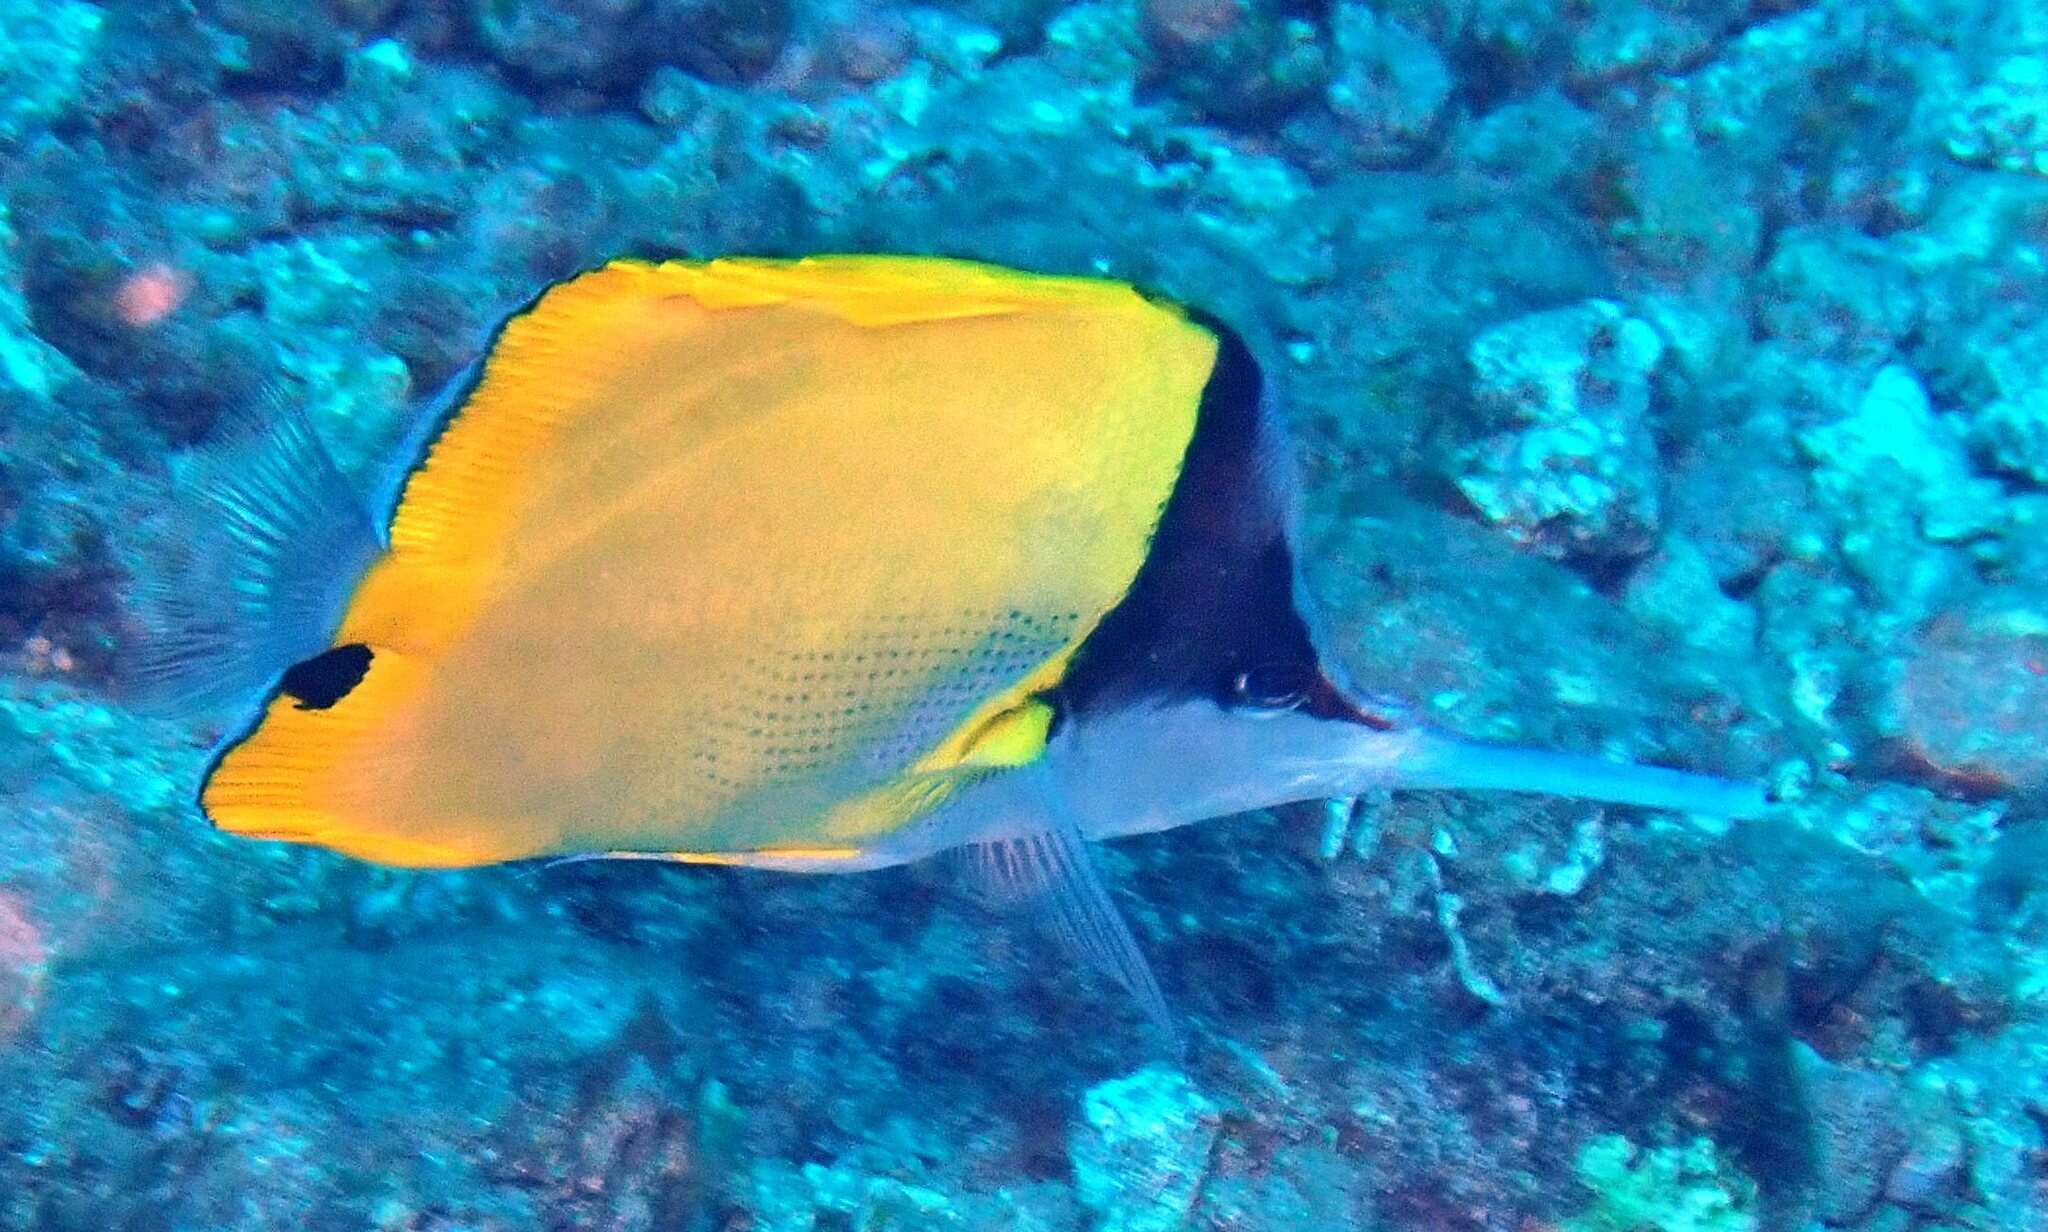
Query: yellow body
[738, 557]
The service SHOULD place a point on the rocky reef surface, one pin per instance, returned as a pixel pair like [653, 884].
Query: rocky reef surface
[1668, 375]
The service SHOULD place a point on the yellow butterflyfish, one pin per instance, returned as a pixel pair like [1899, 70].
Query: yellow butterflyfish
[824, 565]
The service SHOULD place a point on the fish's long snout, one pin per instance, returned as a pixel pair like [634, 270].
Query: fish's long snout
[1437, 761]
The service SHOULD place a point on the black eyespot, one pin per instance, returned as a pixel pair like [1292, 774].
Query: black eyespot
[327, 677]
[1274, 686]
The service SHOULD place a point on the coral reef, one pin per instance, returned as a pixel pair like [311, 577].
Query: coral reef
[1141, 1150]
[1667, 381]
[1573, 468]
[1683, 1188]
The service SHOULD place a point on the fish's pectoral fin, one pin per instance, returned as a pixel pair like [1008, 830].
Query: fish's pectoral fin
[252, 581]
[1050, 872]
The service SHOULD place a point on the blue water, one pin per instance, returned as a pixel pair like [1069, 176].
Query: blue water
[1665, 379]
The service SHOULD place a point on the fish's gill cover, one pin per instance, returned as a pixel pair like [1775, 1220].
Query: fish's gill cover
[735, 556]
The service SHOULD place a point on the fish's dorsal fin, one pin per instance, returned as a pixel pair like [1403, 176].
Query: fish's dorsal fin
[258, 582]
[449, 515]
[1050, 873]
[877, 291]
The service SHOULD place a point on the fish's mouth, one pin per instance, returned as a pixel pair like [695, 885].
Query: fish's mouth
[1439, 762]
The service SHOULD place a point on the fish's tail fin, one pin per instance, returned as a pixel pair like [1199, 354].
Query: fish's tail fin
[251, 577]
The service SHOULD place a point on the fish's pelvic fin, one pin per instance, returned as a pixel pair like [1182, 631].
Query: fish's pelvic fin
[254, 578]
[1051, 873]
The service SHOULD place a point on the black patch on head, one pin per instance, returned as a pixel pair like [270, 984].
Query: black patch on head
[1211, 613]
[327, 677]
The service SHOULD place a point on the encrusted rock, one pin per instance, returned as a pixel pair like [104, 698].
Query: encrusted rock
[1973, 698]
[1141, 1150]
[1570, 468]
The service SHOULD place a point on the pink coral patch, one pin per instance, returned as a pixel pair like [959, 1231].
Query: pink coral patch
[150, 294]
[22, 963]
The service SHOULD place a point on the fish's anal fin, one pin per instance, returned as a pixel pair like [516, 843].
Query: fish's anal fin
[253, 580]
[781, 859]
[1050, 873]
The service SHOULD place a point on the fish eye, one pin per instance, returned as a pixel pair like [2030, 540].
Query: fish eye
[1384, 711]
[321, 681]
[1273, 686]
